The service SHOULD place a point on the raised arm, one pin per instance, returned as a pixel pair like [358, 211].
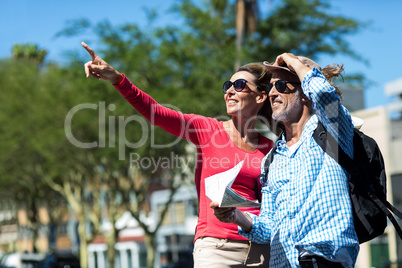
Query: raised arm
[179, 124]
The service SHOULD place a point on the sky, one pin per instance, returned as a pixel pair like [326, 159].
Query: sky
[380, 43]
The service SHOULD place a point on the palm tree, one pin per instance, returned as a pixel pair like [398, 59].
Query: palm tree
[247, 14]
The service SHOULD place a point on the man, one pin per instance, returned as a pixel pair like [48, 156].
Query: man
[306, 212]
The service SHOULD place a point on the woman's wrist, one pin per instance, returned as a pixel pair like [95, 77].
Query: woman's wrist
[117, 79]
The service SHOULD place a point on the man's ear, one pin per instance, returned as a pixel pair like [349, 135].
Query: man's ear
[304, 98]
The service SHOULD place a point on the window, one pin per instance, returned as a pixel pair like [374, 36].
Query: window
[129, 259]
[179, 212]
[379, 254]
[176, 213]
[166, 220]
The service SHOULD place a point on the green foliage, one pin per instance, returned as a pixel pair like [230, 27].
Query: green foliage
[304, 27]
[182, 67]
[29, 52]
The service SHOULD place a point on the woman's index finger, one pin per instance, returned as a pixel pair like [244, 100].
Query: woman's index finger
[90, 50]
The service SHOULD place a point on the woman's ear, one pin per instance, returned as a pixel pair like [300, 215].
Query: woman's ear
[262, 97]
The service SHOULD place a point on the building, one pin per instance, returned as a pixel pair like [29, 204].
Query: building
[384, 124]
[130, 246]
[174, 238]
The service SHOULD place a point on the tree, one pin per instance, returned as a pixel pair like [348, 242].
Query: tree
[303, 27]
[247, 13]
[21, 173]
[29, 51]
[35, 150]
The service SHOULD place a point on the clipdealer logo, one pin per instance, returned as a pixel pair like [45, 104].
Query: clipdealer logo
[112, 129]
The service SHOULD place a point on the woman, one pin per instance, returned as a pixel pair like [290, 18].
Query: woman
[220, 146]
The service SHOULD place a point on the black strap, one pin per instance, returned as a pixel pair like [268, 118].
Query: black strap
[264, 175]
[267, 163]
[389, 214]
[269, 159]
[257, 189]
[361, 216]
[329, 145]
[394, 210]
[316, 261]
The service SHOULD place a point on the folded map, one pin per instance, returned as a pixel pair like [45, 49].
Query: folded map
[218, 188]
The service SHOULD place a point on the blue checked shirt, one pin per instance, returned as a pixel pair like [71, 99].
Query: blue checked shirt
[305, 203]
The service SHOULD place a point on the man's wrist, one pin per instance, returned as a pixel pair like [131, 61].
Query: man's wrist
[244, 221]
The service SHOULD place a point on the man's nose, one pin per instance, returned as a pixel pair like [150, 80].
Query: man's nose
[273, 92]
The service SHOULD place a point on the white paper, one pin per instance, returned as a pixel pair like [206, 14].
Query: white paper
[218, 189]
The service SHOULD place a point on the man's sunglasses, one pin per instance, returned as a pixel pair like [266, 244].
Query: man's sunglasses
[238, 85]
[280, 85]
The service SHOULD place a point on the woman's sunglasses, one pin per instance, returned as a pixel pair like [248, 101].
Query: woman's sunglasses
[280, 85]
[238, 85]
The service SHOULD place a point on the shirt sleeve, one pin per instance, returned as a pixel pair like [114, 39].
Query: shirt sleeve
[327, 104]
[192, 127]
[260, 232]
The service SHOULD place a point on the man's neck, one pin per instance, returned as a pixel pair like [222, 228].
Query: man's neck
[294, 130]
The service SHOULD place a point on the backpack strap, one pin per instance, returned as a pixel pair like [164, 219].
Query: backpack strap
[270, 158]
[329, 145]
[257, 188]
[268, 161]
[393, 209]
[264, 175]
[386, 211]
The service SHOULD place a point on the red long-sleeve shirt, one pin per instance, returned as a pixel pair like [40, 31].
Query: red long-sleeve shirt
[215, 153]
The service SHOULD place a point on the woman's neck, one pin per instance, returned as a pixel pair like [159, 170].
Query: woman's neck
[245, 127]
[243, 136]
